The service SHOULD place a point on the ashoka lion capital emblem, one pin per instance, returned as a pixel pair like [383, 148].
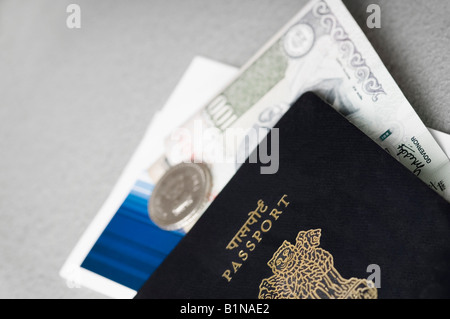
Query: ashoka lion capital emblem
[306, 271]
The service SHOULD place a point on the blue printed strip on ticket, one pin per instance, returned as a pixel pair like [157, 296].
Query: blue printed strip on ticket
[131, 247]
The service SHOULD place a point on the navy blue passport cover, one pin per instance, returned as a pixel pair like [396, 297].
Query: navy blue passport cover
[338, 212]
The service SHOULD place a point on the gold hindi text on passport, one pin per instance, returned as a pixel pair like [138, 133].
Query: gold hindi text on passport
[256, 237]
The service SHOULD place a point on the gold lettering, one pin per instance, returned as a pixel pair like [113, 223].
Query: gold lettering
[232, 244]
[243, 255]
[257, 235]
[264, 229]
[283, 201]
[252, 219]
[275, 212]
[261, 205]
[251, 246]
[236, 266]
[243, 232]
[226, 274]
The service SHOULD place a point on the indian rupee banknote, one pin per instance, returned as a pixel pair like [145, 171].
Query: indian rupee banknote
[322, 49]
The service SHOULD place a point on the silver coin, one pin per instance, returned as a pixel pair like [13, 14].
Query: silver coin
[179, 196]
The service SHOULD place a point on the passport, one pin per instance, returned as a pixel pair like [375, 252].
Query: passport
[340, 219]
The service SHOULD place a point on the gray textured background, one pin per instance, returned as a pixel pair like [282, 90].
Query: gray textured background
[74, 104]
